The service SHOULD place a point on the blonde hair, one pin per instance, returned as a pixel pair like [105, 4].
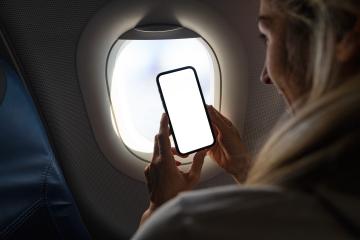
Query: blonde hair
[327, 125]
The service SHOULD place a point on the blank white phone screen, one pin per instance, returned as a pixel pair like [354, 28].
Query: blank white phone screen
[186, 110]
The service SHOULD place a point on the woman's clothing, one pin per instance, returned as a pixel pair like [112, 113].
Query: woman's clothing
[250, 213]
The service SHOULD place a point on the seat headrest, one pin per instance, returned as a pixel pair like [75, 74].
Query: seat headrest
[2, 84]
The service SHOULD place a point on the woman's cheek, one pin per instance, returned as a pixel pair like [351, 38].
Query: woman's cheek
[277, 62]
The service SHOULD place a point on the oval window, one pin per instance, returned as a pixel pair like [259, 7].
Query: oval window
[132, 67]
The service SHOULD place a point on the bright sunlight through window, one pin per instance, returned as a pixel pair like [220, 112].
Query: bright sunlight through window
[132, 69]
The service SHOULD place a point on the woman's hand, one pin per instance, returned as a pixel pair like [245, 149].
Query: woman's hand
[164, 179]
[229, 151]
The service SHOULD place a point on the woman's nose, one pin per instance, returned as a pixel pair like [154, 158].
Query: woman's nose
[265, 76]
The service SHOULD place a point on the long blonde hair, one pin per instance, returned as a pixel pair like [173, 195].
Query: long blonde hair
[326, 128]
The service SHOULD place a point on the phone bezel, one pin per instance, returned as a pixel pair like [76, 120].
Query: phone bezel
[166, 110]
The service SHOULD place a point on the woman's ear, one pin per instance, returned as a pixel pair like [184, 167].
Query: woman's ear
[349, 47]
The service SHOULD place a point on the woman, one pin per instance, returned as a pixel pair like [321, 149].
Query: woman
[304, 184]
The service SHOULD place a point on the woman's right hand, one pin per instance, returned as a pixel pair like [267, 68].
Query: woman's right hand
[229, 152]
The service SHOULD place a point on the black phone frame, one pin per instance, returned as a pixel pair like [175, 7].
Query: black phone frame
[166, 110]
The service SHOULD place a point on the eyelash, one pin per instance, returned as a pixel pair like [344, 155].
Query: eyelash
[263, 38]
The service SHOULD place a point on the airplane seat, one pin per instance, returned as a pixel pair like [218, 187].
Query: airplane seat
[35, 200]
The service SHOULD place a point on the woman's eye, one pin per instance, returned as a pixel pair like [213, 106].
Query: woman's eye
[264, 38]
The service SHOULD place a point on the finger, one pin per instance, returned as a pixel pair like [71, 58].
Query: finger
[220, 141]
[156, 153]
[216, 119]
[164, 125]
[163, 137]
[148, 178]
[216, 131]
[175, 152]
[222, 117]
[222, 146]
[146, 171]
[219, 136]
[197, 164]
[226, 120]
[156, 148]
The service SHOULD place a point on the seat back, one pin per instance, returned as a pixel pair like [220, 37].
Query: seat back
[35, 201]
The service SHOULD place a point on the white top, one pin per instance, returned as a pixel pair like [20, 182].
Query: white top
[235, 212]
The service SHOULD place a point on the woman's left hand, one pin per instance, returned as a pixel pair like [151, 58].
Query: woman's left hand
[164, 179]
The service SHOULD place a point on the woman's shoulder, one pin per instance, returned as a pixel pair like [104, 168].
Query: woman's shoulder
[238, 212]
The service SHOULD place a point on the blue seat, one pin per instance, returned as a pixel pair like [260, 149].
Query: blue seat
[35, 202]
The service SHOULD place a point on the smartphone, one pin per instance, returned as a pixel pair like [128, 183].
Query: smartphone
[184, 103]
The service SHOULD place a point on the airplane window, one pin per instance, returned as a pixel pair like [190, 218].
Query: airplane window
[131, 78]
